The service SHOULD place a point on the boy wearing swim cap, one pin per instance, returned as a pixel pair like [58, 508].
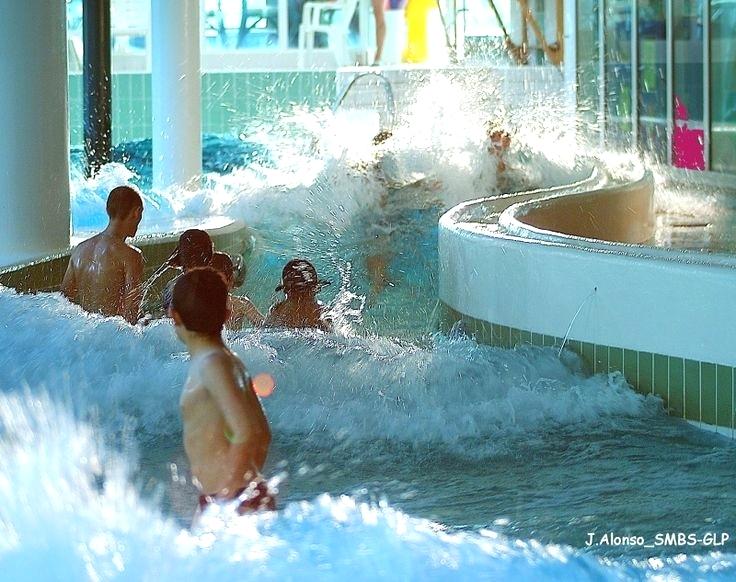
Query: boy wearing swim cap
[226, 434]
[195, 249]
[300, 309]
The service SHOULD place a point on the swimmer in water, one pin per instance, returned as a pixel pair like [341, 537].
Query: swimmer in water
[226, 434]
[300, 309]
[241, 308]
[104, 273]
[195, 250]
[500, 142]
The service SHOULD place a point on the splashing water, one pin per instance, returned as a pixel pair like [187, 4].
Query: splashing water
[405, 454]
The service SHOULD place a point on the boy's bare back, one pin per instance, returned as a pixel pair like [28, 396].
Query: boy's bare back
[104, 276]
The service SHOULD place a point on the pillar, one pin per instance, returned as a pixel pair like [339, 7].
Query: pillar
[176, 92]
[34, 142]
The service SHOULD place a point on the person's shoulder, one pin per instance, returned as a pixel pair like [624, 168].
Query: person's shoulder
[132, 252]
[87, 243]
[218, 365]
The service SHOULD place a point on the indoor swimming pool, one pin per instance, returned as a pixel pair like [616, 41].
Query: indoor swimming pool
[399, 452]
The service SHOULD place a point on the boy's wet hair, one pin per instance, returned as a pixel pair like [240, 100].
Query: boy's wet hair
[122, 201]
[200, 298]
[223, 264]
[195, 249]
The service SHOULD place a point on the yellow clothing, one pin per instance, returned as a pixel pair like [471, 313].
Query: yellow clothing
[416, 12]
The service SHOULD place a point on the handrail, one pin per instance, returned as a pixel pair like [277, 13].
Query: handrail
[388, 90]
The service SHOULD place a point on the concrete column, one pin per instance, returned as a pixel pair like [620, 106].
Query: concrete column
[34, 141]
[176, 92]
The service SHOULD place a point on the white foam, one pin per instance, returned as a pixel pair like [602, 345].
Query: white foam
[453, 393]
[60, 520]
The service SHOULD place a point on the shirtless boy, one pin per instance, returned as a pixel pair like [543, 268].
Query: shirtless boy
[300, 309]
[241, 308]
[226, 434]
[104, 272]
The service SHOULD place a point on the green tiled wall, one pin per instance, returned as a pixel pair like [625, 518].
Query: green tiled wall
[697, 391]
[229, 100]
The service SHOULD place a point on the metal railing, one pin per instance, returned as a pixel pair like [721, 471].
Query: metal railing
[388, 91]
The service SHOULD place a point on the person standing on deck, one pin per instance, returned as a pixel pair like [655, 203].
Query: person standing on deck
[380, 19]
[104, 273]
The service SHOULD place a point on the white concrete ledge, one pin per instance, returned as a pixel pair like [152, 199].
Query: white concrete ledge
[665, 301]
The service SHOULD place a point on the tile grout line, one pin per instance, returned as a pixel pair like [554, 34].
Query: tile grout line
[668, 388]
[700, 392]
[716, 411]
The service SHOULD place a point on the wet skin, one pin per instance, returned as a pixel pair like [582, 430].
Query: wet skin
[299, 310]
[226, 434]
[104, 273]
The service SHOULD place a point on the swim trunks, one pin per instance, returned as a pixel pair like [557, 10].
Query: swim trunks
[254, 497]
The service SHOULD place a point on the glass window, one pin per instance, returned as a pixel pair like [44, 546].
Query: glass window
[245, 24]
[652, 49]
[723, 84]
[688, 139]
[130, 26]
[588, 62]
[618, 72]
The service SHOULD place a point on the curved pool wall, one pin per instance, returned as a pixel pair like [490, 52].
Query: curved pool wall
[573, 268]
[228, 235]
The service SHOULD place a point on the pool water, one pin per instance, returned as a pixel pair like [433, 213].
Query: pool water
[399, 452]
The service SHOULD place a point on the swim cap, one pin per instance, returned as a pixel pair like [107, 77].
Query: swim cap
[300, 274]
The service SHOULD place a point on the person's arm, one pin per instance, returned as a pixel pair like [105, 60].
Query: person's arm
[272, 318]
[133, 292]
[251, 312]
[249, 433]
[69, 283]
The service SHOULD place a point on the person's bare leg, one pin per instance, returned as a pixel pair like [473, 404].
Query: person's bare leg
[380, 29]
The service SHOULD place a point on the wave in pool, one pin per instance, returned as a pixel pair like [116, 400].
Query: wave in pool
[451, 393]
[58, 512]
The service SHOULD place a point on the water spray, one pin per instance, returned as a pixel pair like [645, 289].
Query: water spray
[574, 317]
[165, 266]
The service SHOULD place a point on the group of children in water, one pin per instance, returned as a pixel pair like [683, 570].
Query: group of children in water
[226, 434]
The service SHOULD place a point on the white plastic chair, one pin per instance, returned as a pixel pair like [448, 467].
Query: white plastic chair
[338, 15]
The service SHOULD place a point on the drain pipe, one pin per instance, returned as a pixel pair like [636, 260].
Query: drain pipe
[97, 74]
[34, 142]
[176, 93]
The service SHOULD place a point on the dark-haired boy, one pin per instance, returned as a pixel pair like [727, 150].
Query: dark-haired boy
[195, 250]
[226, 434]
[300, 309]
[104, 272]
